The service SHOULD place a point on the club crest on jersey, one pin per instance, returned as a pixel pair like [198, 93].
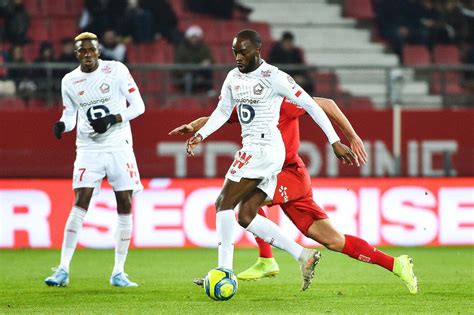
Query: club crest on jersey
[283, 193]
[104, 88]
[107, 69]
[266, 73]
[290, 79]
[258, 89]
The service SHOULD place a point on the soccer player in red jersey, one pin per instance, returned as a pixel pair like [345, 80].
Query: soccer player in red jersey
[295, 196]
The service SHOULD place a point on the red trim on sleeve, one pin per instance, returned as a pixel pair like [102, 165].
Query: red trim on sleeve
[130, 90]
[297, 94]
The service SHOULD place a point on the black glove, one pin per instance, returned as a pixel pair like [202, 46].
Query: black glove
[101, 125]
[58, 129]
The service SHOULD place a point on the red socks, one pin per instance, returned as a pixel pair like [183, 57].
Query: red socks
[359, 249]
[264, 249]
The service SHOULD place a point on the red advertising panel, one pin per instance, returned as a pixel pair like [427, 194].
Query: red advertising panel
[433, 143]
[180, 213]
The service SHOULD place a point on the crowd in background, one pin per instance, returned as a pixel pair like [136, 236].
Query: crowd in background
[427, 22]
[120, 22]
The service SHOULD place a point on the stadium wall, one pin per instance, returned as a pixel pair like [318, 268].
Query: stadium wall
[433, 143]
[180, 212]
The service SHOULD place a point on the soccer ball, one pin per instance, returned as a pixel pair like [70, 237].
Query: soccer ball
[220, 284]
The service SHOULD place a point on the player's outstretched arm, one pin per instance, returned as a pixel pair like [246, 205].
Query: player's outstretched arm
[189, 128]
[335, 114]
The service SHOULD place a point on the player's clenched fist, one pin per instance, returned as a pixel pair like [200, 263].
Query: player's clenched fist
[101, 125]
[193, 142]
[58, 129]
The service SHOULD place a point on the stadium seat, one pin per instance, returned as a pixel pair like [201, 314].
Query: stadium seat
[446, 82]
[229, 29]
[31, 51]
[62, 28]
[55, 8]
[75, 6]
[3, 70]
[39, 29]
[359, 9]
[33, 7]
[326, 84]
[446, 54]
[416, 55]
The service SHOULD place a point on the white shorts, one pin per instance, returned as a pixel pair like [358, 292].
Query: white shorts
[120, 168]
[263, 162]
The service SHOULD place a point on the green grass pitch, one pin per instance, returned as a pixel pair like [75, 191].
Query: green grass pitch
[341, 284]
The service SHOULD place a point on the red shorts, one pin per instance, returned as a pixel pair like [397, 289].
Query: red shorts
[294, 195]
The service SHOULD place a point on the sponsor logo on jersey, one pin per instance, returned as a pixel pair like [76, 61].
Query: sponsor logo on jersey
[79, 81]
[248, 101]
[81, 93]
[94, 102]
[298, 93]
[258, 89]
[104, 88]
[107, 69]
[266, 73]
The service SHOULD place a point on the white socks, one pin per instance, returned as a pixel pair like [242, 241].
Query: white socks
[122, 241]
[225, 227]
[71, 234]
[271, 234]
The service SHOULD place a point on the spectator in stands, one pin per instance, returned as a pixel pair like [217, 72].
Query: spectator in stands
[193, 50]
[67, 51]
[454, 21]
[165, 22]
[67, 56]
[223, 9]
[467, 10]
[400, 22]
[431, 19]
[25, 87]
[17, 21]
[285, 52]
[101, 15]
[46, 80]
[139, 23]
[111, 48]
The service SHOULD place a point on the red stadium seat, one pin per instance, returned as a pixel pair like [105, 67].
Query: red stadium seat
[359, 9]
[446, 54]
[75, 6]
[416, 55]
[326, 84]
[39, 29]
[56, 8]
[62, 28]
[229, 30]
[33, 7]
[446, 83]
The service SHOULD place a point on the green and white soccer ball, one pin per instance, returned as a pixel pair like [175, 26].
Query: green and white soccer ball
[220, 284]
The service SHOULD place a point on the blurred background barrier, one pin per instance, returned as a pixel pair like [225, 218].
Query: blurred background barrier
[435, 142]
[180, 213]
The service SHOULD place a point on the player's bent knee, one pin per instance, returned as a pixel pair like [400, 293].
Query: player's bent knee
[244, 219]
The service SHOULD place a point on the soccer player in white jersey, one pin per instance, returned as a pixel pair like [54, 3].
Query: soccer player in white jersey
[257, 89]
[97, 93]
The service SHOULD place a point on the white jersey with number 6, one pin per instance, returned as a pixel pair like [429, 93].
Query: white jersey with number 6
[97, 94]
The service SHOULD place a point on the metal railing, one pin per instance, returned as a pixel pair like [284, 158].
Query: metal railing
[436, 85]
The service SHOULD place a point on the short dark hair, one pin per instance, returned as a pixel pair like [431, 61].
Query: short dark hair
[251, 35]
[287, 36]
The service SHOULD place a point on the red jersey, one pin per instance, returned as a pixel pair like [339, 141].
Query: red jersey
[290, 130]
